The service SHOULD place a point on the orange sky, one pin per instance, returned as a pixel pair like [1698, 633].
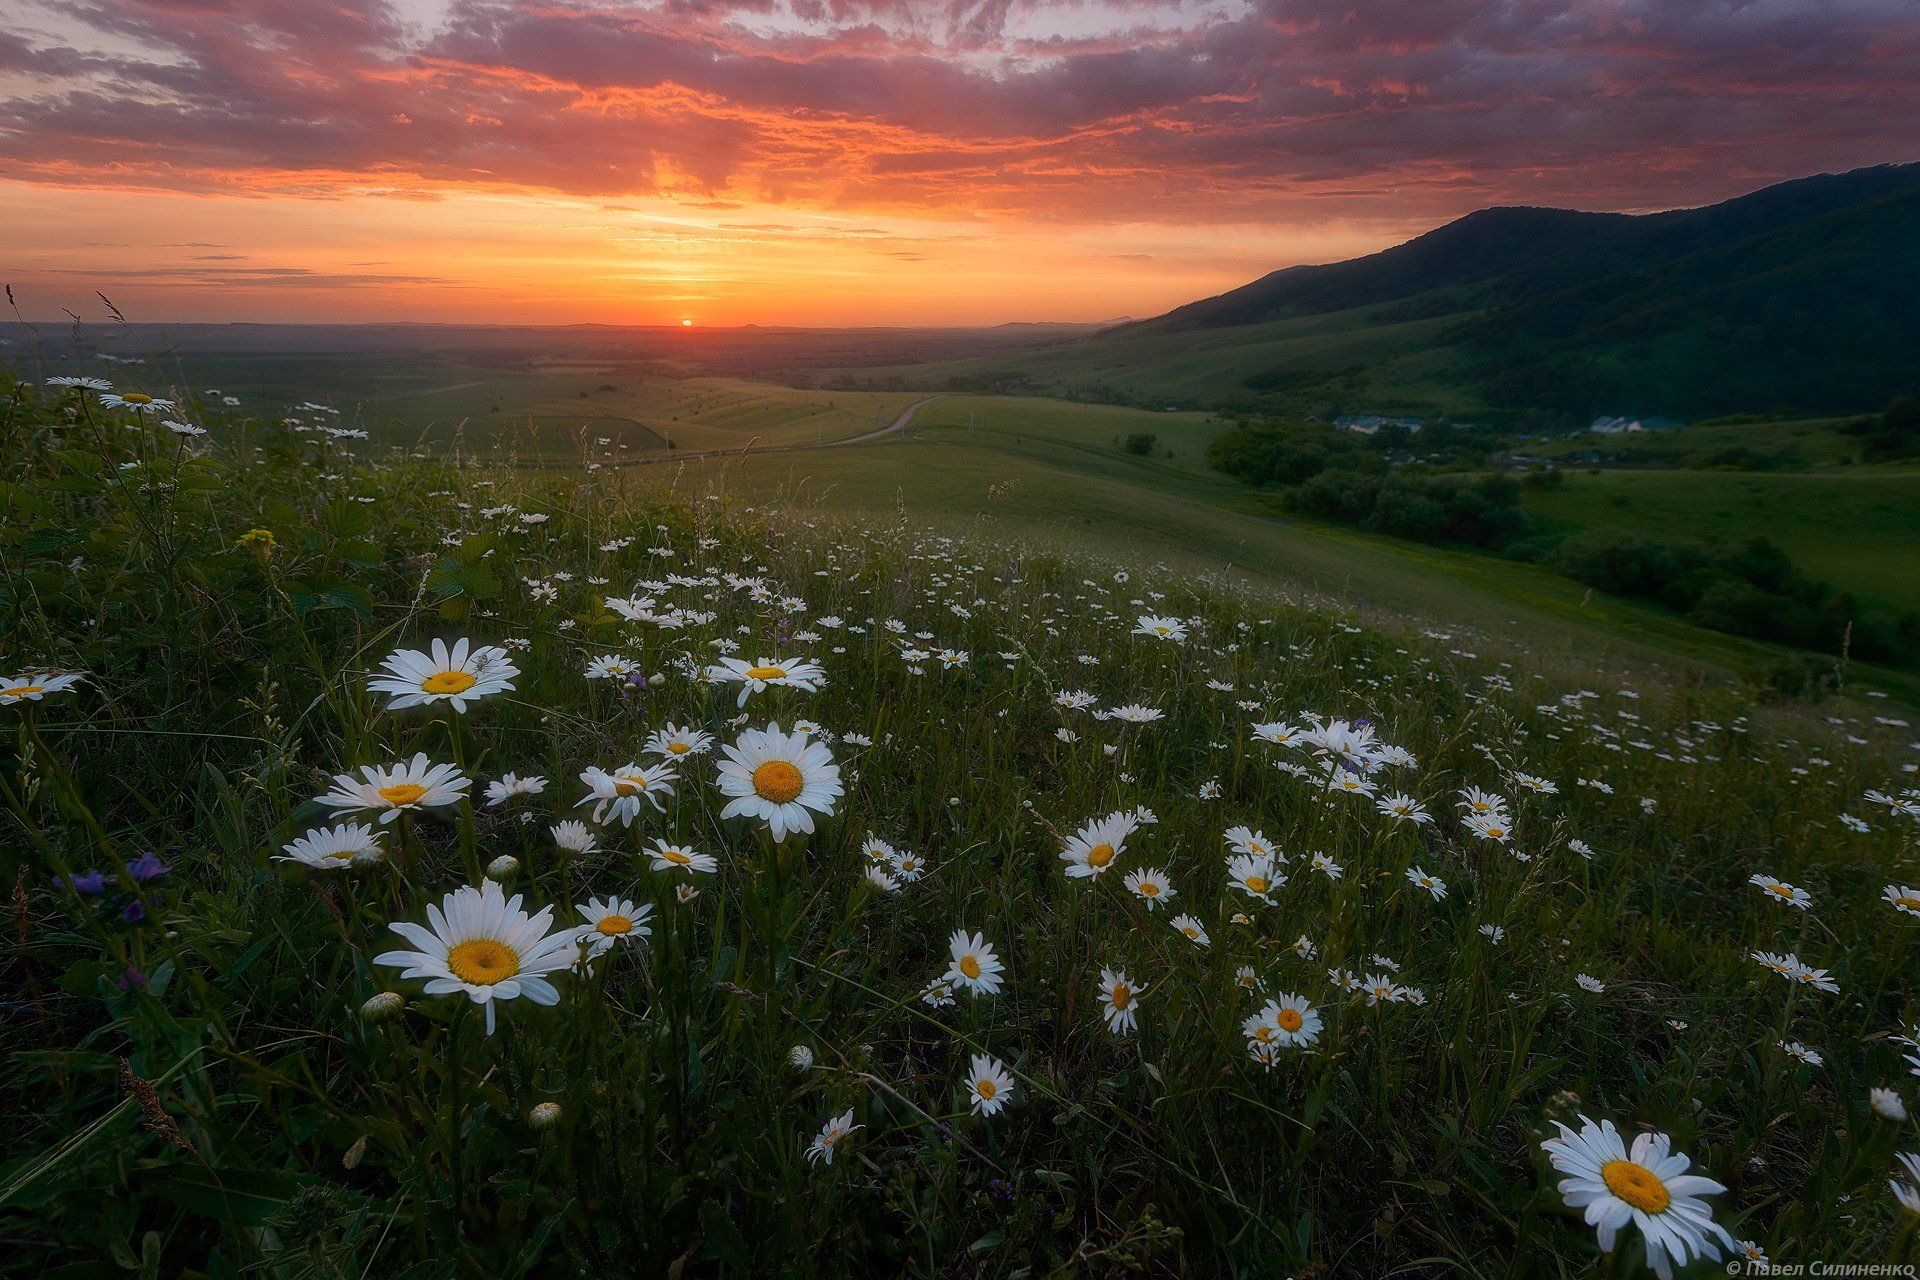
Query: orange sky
[838, 162]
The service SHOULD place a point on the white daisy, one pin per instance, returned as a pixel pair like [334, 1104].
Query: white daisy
[455, 676]
[670, 857]
[791, 673]
[482, 943]
[1649, 1188]
[1120, 1001]
[974, 964]
[612, 921]
[35, 685]
[332, 848]
[618, 792]
[782, 779]
[831, 1135]
[989, 1087]
[398, 788]
[1150, 885]
[1093, 848]
[509, 785]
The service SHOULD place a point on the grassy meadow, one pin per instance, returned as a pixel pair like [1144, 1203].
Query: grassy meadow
[1113, 912]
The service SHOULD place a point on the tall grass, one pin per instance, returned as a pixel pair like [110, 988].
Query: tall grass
[192, 1087]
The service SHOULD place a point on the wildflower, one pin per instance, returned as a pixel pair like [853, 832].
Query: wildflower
[1254, 876]
[1492, 827]
[800, 1058]
[482, 943]
[1380, 989]
[1279, 732]
[1887, 1104]
[1161, 628]
[544, 1115]
[908, 866]
[503, 868]
[1405, 808]
[1794, 1049]
[572, 838]
[668, 857]
[795, 673]
[137, 402]
[1482, 803]
[1903, 898]
[90, 883]
[782, 779]
[1134, 713]
[394, 789]
[1587, 982]
[34, 686]
[330, 849]
[974, 965]
[673, 741]
[1431, 883]
[1092, 849]
[1285, 1021]
[612, 921]
[146, 867]
[612, 667]
[1649, 1188]
[1120, 1006]
[1194, 931]
[509, 785]
[455, 676]
[1780, 889]
[1907, 1190]
[989, 1087]
[617, 793]
[831, 1134]
[1150, 885]
[882, 879]
[1246, 840]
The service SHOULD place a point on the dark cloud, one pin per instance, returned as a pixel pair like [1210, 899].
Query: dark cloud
[1122, 110]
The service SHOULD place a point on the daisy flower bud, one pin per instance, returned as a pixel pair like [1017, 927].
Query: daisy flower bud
[503, 867]
[544, 1115]
[383, 1006]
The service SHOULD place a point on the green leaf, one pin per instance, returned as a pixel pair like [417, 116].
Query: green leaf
[243, 1197]
[724, 1242]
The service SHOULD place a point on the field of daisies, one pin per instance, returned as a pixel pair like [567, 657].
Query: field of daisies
[418, 871]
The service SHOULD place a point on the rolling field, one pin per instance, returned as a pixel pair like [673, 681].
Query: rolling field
[1856, 527]
[1044, 473]
[1350, 356]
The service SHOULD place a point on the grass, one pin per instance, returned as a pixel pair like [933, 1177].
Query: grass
[1856, 527]
[221, 1076]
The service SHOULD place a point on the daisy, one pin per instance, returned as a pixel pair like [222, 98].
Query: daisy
[612, 667]
[1903, 898]
[34, 686]
[782, 779]
[390, 791]
[830, 1136]
[1649, 1188]
[332, 848]
[878, 850]
[1431, 883]
[1134, 713]
[1120, 1006]
[974, 965]
[1246, 840]
[1587, 982]
[988, 1085]
[1326, 866]
[1786, 893]
[1286, 1021]
[669, 857]
[1150, 885]
[1490, 826]
[794, 673]
[1907, 1190]
[1093, 848]
[673, 741]
[482, 943]
[1794, 1049]
[618, 792]
[1405, 808]
[1887, 1103]
[510, 785]
[1279, 732]
[908, 866]
[610, 921]
[1482, 803]
[882, 879]
[455, 676]
[1161, 628]
[1378, 988]
[1254, 876]
[137, 402]
[1194, 931]
[573, 838]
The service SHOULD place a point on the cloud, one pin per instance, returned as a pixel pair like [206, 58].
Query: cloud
[1096, 111]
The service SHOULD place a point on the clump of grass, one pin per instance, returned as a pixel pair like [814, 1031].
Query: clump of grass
[215, 1072]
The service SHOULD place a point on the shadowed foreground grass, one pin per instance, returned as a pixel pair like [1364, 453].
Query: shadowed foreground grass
[207, 1076]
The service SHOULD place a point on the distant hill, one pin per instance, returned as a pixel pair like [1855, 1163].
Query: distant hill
[1801, 295]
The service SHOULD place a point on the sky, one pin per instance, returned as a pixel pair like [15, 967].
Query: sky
[868, 162]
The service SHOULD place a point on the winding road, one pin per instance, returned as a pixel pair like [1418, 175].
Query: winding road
[898, 425]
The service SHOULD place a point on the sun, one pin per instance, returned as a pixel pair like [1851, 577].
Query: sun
[686, 324]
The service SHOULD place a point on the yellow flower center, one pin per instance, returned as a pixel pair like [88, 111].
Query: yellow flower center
[1781, 890]
[22, 690]
[483, 962]
[766, 673]
[1636, 1185]
[1289, 1019]
[1263, 1033]
[970, 966]
[1148, 889]
[986, 1089]
[630, 786]
[678, 748]
[614, 926]
[137, 397]
[675, 856]
[448, 682]
[401, 793]
[1191, 932]
[1257, 883]
[778, 781]
[1907, 900]
[1100, 855]
[1121, 996]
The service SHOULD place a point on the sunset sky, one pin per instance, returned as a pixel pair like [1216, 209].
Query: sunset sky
[868, 161]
